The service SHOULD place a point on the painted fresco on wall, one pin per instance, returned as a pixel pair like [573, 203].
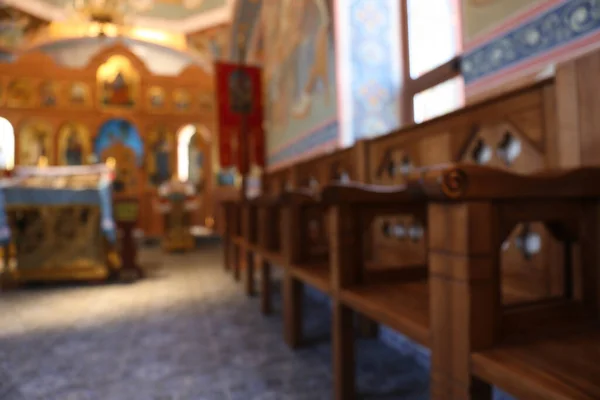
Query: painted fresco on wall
[119, 131]
[481, 15]
[299, 71]
[118, 83]
[20, 93]
[35, 141]
[73, 144]
[48, 94]
[160, 155]
[213, 41]
[17, 27]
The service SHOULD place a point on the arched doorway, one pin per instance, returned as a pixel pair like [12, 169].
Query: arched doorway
[7, 144]
[193, 153]
[194, 165]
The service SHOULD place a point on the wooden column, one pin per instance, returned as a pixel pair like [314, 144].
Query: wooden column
[265, 231]
[292, 288]
[249, 272]
[465, 295]
[345, 252]
[265, 282]
[225, 229]
[366, 327]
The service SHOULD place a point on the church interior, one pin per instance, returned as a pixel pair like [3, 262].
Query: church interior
[299, 200]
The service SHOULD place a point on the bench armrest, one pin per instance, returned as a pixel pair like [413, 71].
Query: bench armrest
[359, 193]
[476, 182]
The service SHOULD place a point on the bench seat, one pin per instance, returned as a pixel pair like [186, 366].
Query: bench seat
[403, 307]
[562, 367]
[317, 276]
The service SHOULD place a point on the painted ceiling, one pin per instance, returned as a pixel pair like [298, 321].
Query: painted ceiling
[168, 9]
[185, 16]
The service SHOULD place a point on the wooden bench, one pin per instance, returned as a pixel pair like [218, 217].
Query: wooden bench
[508, 333]
[230, 230]
[544, 349]
[395, 293]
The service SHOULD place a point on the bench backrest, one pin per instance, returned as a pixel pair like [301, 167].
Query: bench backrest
[511, 132]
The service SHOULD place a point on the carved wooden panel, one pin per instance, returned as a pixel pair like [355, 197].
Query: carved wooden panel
[530, 270]
[314, 234]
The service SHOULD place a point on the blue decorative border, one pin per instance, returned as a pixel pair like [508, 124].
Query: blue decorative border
[572, 20]
[307, 143]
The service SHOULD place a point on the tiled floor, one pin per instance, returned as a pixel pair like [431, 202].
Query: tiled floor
[187, 332]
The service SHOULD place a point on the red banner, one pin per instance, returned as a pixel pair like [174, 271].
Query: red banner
[240, 108]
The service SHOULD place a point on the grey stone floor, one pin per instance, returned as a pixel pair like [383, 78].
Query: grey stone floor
[185, 333]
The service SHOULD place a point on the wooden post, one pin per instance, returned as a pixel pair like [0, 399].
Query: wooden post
[406, 115]
[249, 272]
[345, 252]
[465, 295]
[265, 282]
[226, 236]
[292, 288]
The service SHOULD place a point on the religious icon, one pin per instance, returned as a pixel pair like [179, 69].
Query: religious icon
[157, 97]
[78, 93]
[48, 94]
[35, 141]
[73, 144]
[117, 131]
[159, 157]
[20, 93]
[126, 180]
[117, 82]
[182, 99]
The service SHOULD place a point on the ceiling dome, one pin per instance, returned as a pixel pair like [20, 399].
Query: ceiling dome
[160, 60]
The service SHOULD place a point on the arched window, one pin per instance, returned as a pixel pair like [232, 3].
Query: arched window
[434, 38]
[7, 144]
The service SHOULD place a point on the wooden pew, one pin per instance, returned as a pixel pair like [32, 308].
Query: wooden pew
[514, 132]
[395, 293]
[268, 251]
[242, 219]
[541, 350]
[305, 230]
[230, 230]
[459, 311]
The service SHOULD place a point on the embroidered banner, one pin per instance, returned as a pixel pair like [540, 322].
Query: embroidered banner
[240, 108]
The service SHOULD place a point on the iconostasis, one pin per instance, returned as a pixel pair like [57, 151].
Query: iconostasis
[75, 116]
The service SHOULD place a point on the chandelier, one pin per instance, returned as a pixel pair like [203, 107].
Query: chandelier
[108, 11]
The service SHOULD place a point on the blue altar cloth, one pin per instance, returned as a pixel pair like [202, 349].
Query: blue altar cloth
[18, 195]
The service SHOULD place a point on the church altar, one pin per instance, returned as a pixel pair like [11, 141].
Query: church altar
[177, 201]
[56, 224]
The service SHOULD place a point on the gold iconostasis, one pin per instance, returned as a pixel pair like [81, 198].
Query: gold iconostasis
[74, 116]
